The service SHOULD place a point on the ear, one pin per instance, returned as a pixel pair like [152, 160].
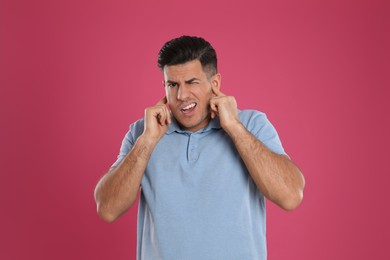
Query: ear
[216, 81]
[163, 83]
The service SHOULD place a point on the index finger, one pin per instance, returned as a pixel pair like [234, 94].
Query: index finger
[216, 91]
[162, 101]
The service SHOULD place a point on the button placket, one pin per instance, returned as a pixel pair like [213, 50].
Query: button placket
[192, 149]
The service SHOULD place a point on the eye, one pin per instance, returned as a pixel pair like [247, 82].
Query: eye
[172, 84]
[193, 82]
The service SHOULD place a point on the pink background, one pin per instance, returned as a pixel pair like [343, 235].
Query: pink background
[75, 73]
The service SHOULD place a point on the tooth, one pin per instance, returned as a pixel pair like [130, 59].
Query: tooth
[189, 106]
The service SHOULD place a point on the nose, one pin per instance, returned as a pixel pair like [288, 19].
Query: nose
[182, 93]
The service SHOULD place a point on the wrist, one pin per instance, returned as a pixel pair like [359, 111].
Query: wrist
[147, 140]
[235, 129]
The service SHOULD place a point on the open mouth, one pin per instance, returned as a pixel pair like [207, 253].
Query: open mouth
[189, 107]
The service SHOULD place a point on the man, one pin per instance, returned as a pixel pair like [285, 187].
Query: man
[204, 167]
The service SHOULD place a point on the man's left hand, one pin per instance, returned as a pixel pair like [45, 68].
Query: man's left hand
[226, 108]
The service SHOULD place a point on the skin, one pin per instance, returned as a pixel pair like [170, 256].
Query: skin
[187, 84]
[276, 176]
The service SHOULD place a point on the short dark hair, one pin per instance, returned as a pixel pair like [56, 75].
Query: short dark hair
[188, 48]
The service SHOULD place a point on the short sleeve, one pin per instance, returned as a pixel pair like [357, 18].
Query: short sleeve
[129, 140]
[258, 124]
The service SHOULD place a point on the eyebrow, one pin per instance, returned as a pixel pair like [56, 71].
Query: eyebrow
[187, 81]
[191, 80]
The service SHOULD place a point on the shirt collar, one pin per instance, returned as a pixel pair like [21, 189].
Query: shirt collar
[174, 126]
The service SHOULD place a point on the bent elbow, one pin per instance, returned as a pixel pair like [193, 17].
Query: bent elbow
[292, 202]
[295, 197]
[105, 214]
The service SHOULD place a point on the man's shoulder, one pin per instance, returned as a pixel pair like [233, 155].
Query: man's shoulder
[249, 115]
[138, 123]
[136, 128]
[254, 120]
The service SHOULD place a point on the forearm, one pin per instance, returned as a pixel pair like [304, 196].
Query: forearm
[118, 189]
[275, 175]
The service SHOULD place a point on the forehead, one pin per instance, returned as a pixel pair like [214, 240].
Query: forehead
[184, 71]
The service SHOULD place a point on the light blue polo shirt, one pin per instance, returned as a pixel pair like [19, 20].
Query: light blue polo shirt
[198, 200]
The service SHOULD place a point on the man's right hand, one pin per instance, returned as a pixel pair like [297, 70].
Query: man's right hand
[118, 189]
[157, 120]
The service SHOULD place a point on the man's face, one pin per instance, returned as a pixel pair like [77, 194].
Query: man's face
[188, 91]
